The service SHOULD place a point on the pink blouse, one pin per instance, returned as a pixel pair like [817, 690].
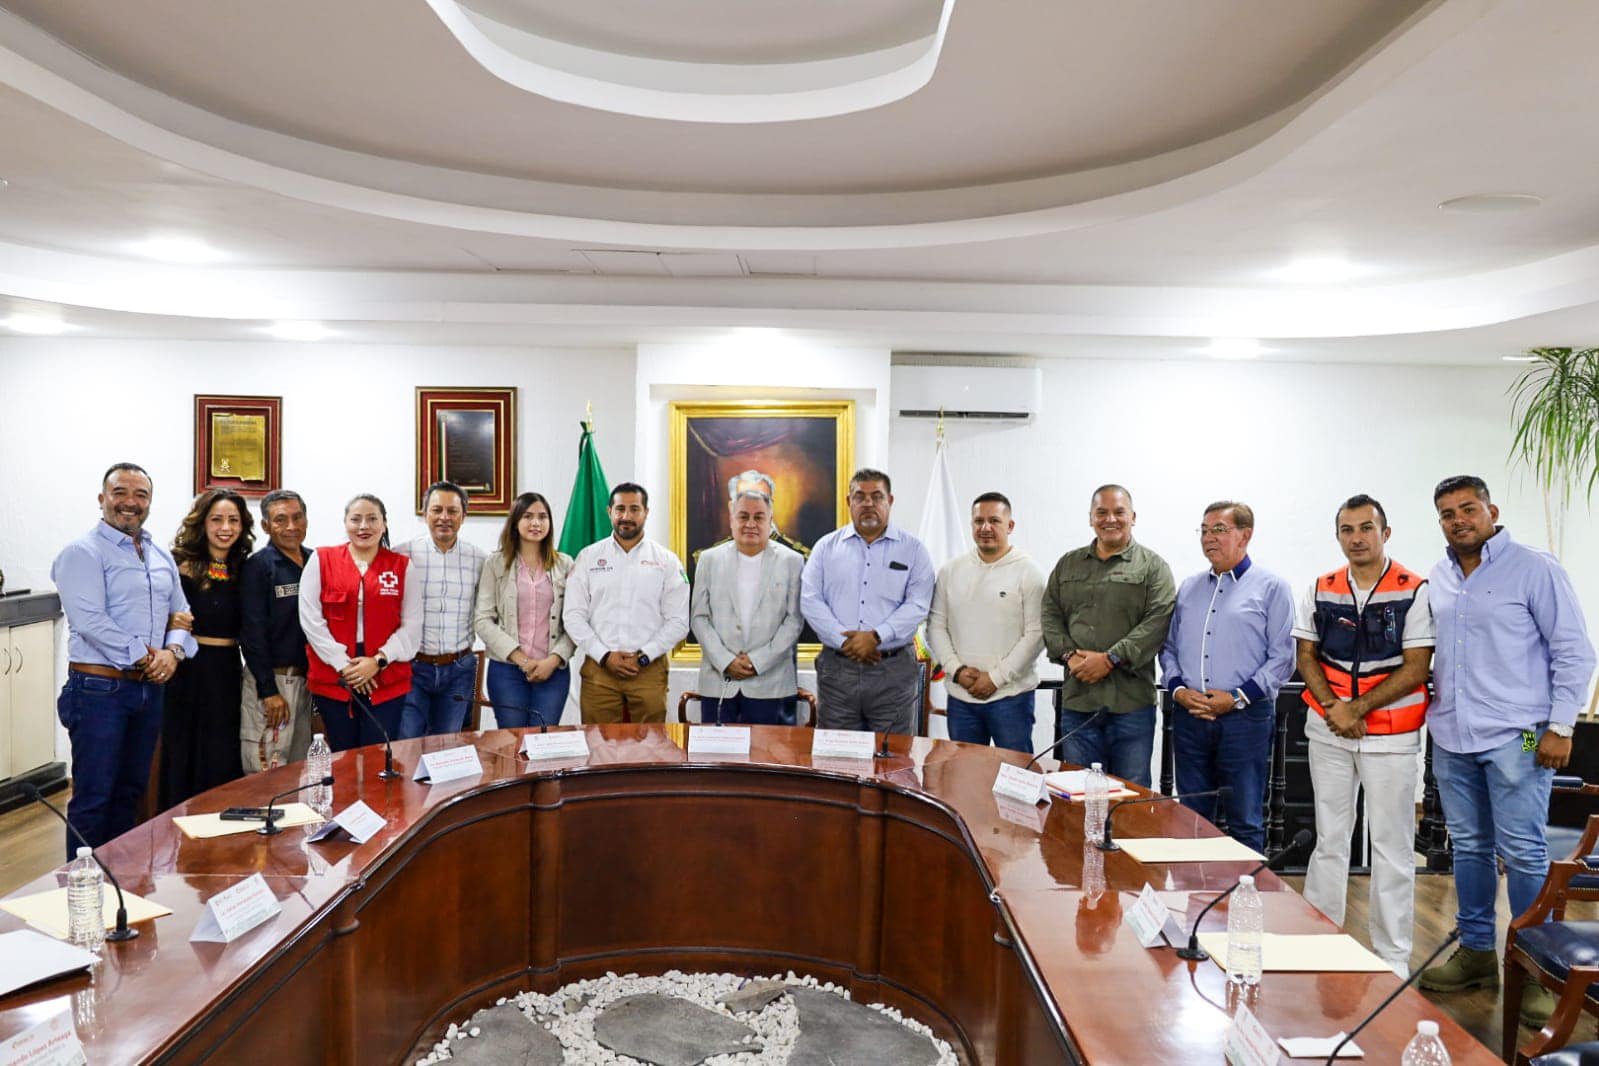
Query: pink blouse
[535, 595]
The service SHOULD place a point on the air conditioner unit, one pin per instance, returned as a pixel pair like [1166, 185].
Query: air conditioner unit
[975, 393]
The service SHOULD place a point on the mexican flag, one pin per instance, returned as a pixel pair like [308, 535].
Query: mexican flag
[586, 519]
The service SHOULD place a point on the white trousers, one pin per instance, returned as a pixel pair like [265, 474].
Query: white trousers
[1390, 781]
[262, 747]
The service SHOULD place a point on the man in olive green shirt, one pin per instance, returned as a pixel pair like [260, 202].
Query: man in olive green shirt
[1106, 610]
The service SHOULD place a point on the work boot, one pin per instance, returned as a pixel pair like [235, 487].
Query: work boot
[1466, 968]
[1537, 1003]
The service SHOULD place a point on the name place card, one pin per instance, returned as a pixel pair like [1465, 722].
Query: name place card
[359, 820]
[719, 740]
[52, 1042]
[1247, 1043]
[235, 911]
[1148, 917]
[451, 764]
[843, 744]
[1019, 784]
[566, 744]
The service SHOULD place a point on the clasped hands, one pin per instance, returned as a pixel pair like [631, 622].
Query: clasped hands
[623, 664]
[976, 682]
[1344, 720]
[1089, 667]
[741, 668]
[1208, 705]
[861, 646]
[360, 675]
[159, 664]
[535, 670]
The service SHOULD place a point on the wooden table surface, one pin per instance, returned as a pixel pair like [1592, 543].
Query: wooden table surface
[903, 878]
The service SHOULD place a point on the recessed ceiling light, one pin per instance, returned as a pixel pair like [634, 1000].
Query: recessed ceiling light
[1519, 358]
[37, 325]
[1325, 270]
[176, 250]
[299, 331]
[1234, 348]
[1491, 203]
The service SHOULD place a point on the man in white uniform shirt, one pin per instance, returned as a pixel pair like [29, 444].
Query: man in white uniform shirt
[1365, 637]
[627, 608]
[986, 629]
[747, 619]
[444, 671]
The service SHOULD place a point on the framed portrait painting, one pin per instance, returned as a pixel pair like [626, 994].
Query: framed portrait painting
[238, 444]
[802, 452]
[468, 436]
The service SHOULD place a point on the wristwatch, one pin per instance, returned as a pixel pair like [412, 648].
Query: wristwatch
[643, 659]
[1240, 701]
[382, 661]
[1115, 660]
[177, 652]
[1559, 729]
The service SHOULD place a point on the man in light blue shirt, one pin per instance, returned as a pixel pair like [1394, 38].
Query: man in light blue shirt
[866, 588]
[1511, 671]
[1227, 653]
[127, 622]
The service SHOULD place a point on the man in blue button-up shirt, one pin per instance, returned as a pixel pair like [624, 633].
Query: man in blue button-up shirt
[127, 620]
[866, 588]
[1511, 670]
[1227, 653]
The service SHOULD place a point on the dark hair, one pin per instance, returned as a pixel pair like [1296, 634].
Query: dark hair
[628, 486]
[1243, 514]
[190, 549]
[445, 486]
[1459, 482]
[134, 467]
[866, 473]
[278, 496]
[1355, 503]
[1110, 487]
[382, 510]
[992, 497]
[511, 540]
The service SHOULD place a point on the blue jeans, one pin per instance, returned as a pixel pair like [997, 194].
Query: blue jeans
[1234, 750]
[739, 709]
[519, 703]
[345, 731]
[439, 699]
[113, 725]
[1495, 801]
[1121, 743]
[1008, 722]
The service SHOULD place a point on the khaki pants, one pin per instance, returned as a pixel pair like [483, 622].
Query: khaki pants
[604, 695]
[263, 747]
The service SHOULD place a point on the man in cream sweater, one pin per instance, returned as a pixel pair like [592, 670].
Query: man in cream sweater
[985, 629]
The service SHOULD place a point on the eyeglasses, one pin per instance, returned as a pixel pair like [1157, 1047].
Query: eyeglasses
[1216, 530]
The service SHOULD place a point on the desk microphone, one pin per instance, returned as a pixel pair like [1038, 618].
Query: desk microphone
[544, 725]
[1193, 952]
[121, 932]
[1406, 983]
[359, 700]
[1107, 844]
[1058, 741]
[268, 828]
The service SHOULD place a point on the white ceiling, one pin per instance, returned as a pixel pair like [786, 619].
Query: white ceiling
[1071, 179]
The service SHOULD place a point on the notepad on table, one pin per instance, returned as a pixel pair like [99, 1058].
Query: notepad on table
[47, 911]
[1302, 953]
[1074, 783]
[205, 826]
[1188, 849]
[26, 958]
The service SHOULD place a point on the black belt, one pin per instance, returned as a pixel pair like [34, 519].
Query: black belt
[888, 654]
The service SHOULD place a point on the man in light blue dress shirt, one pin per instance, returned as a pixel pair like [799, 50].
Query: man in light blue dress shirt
[1511, 671]
[1227, 653]
[866, 588]
[127, 622]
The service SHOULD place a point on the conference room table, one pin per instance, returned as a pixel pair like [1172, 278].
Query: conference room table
[904, 879]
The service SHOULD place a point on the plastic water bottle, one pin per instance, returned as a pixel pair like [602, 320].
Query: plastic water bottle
[1426, 1048]
[319, 761]
[1246, 925]
[1096, 799]
[86, 901]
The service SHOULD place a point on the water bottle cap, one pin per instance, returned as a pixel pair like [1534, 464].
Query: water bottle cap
[1098, 767]
[1427, 1028]
[84, 853]
[316, 736]
[1246, 879]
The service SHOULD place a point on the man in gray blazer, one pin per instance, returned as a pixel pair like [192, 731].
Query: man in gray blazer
[746, 616]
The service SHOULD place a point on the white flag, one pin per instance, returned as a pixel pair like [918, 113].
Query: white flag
[943, 529]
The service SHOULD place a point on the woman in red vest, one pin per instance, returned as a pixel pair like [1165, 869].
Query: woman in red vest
[362, 626]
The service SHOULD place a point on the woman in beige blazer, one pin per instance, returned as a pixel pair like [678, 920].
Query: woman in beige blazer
[518, 618]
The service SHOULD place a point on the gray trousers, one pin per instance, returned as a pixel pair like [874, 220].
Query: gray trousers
[878, 696]
[262, 747]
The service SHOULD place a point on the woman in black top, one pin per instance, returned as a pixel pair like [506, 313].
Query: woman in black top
[200, 722]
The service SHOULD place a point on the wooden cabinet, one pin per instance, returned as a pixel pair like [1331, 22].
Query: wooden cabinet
[28, 695]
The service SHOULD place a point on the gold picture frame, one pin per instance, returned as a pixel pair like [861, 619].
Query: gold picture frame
[807, 447]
